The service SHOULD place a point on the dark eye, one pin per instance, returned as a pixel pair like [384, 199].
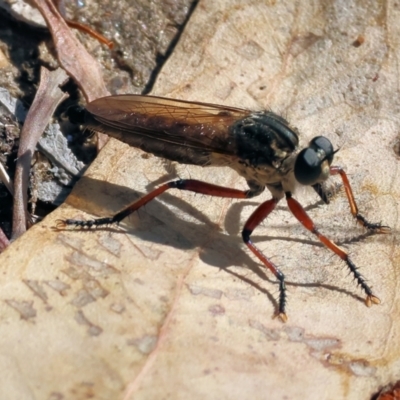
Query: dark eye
[321, 143]
[312, 163]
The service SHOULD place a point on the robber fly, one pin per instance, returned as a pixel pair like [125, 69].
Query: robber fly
[260, 146]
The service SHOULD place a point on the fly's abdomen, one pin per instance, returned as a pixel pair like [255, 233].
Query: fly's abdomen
[182, 153]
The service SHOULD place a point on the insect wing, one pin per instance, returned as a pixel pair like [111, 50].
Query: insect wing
[198, 125]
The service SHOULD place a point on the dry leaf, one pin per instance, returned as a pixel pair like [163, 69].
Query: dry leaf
[170, 304]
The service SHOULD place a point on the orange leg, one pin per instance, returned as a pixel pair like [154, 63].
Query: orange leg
[182, 184]
[255, 219]
[262, 212]
[299, 212]
[213, 190]
[377, 227]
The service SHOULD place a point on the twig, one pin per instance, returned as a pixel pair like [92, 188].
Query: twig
[47, 98]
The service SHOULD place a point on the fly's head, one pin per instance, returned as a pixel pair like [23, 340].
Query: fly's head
[313, 163]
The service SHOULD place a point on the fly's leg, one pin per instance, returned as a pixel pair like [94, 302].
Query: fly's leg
[262, 212]
[376, 227]
[213, 190]
[299, 212]
[191, 185]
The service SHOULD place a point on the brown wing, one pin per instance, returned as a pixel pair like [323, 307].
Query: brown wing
[201, 126]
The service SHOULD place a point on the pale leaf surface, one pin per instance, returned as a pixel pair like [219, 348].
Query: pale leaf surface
[170, 304]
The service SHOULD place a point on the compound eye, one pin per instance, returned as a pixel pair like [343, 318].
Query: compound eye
[322, 144]
[312, 164]
[307, 169]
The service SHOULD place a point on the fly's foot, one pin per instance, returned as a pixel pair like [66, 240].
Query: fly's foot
[371, 299]
[282, 316]
[375, 227]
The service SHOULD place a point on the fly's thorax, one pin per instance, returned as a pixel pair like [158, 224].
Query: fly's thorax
[264, 139]
[266, 152]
